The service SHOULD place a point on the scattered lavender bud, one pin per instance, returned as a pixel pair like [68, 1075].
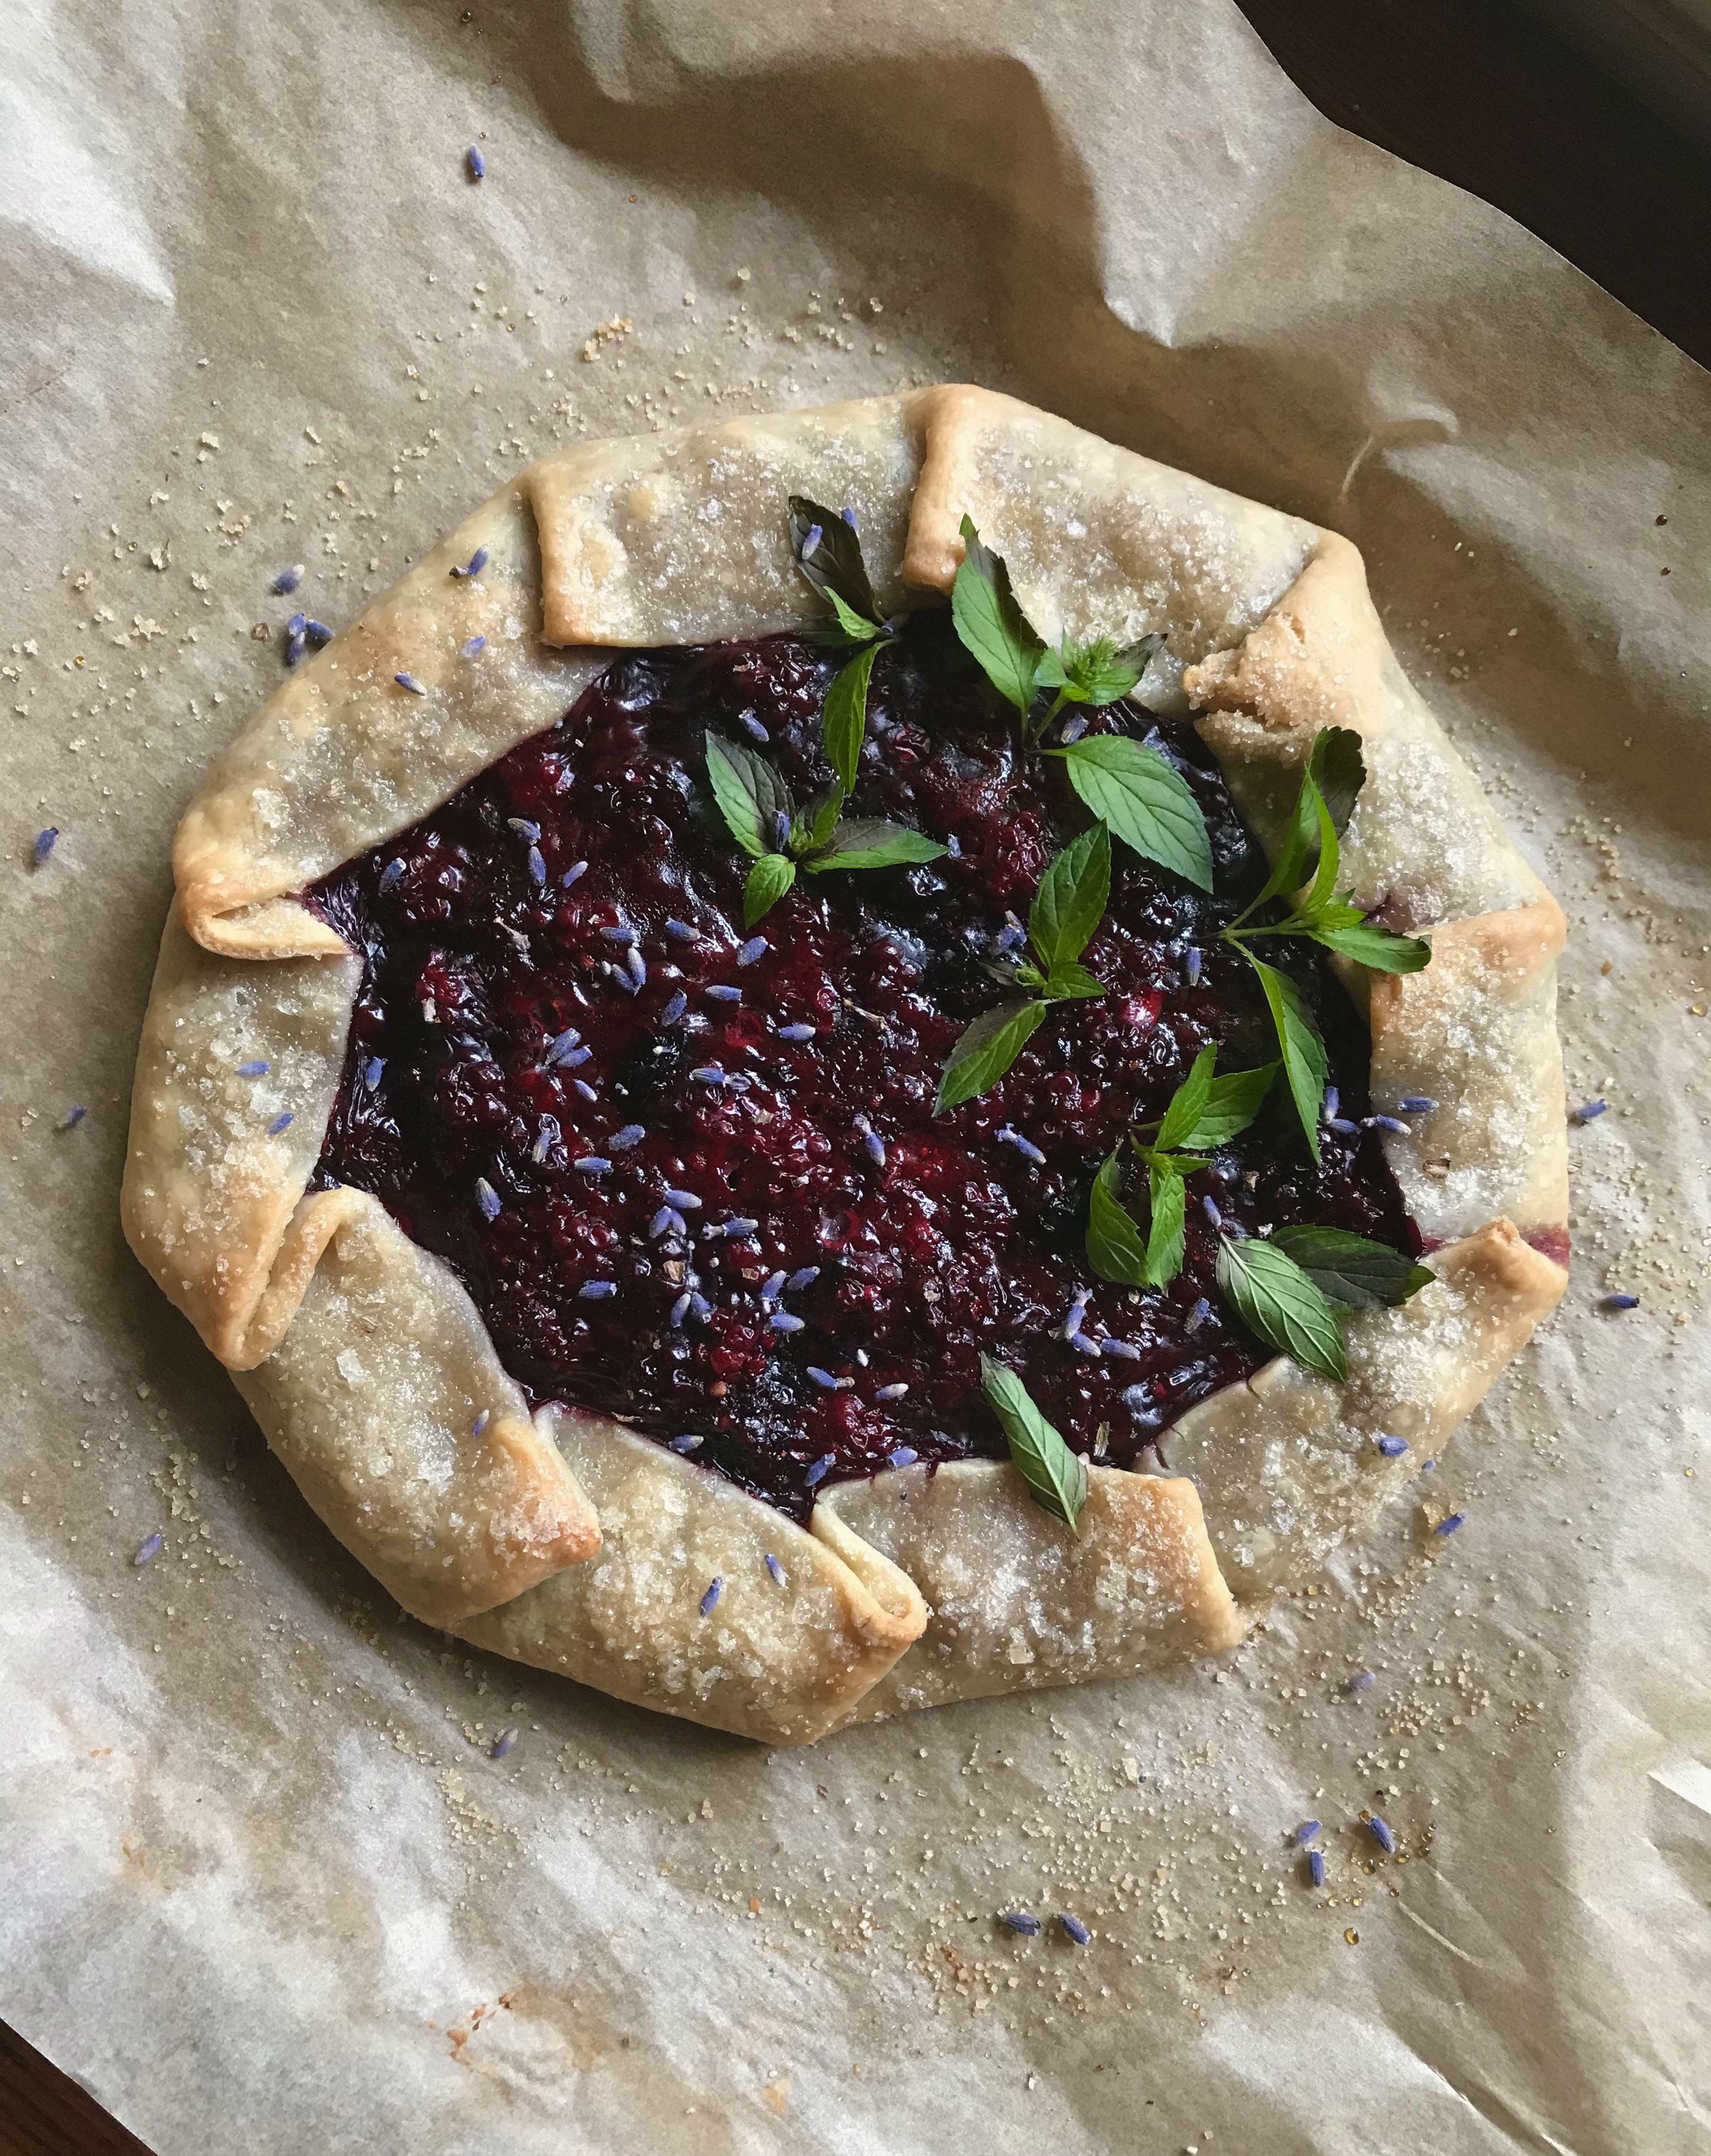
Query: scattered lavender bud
[288, 580]
[476, 162]
[257, 1068]
[781, 831]
[667, 1221]
[638, 967]
[150, 1548]
[826, 1383]
[298, 625]
[1209, 1206]
[804, 1276]
[44, 844]
[1308, 1830]
[537, 865]
[476, 644]
[1619, 1302]
[504, 1743]
[1315, 1866]
[371, 1071]
[73, 1117]
[686, 1443]
[1392, 1448]
[775, 1568]
[488, 1198]
[849, 518]
[592, 1164]
[1362, 1680]
[574, 874]
[480, 1423]
[742, 1225]
[392, 873]
[585, 1089]
[523, 827]
[700, 1309]
[1198, 1315]
[410, 682]
[676, 1003]
[1448, 1525]
[1121, 1351]
[770, 1287]
[1332, 1103]
[1019, 1920]
[891, 1392]
[477, 563]
[796, 1033]
[820, 1469]
[811, 539]
[1071, 730]
[1384, 1123]
[679, 1310]
[1342, 1125]
[1382, 1835]
[684, 1200]
[296, 646]
[1082, 1343]
[619, 935]
[1193, 959]
[1589, 1112]
[1026, 1146]
[1417, 1104]
[724, 992]
[1077, 1930]
[709, 1600]
[903, 1455]
[681, 932]
[282, 1121]
[707, 1074]
[597, 1291]
[1138, 1401]
[783, 1320]
[755, 948]
[317, 632]
[754, 729]
[632, 1134]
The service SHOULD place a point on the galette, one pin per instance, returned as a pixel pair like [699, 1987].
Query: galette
[850, 1059]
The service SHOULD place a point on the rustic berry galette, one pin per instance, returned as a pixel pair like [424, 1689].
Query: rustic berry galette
[802, 1110]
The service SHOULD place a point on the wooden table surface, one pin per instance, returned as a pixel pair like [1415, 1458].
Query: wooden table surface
[1474, 91]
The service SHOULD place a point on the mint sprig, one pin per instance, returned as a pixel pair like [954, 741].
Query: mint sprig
[1056, 1476]
[1275, 1299]
[762, 817]
[827, 547]
[1065, 912]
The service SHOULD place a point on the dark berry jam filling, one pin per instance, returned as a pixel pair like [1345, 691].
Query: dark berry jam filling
[695, 1180]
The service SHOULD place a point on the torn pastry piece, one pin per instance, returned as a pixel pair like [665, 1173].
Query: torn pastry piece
[545, 1106]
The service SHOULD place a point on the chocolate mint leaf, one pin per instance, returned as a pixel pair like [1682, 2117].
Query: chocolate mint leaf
[1097, 672]
[1338, 770]
[1056, 1476]
[870, 842]
[1335, 758]
[1115, 1248]
[1306, 1067]
[1069, 981]
[1352, 1270]
[829, 555]
[1146, 803]
[1231, 1104]
[1276, 1300]
[1070, 902]
[1167, 1199]
[991, 623]
[844, 717]
[814, 825]
[1369, 945]
[1185, 1104]
[751, 796]
[769, 879]
[986, 1051]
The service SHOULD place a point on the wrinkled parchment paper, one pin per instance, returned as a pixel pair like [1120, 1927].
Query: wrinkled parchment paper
[264, 1887]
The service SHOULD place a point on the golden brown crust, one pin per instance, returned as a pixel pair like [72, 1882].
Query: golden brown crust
[1020, 1600]
[388, 1404]
[780, 1655]
[364, 1360]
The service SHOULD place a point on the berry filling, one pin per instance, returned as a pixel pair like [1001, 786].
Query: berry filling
[692, 1176]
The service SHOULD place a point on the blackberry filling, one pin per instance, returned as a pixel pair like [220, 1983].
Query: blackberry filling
[693, 1179]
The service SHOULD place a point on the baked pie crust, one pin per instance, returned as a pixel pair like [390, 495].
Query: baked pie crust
[565, 1540]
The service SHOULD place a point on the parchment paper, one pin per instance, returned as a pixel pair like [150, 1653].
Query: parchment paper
[264, 1888]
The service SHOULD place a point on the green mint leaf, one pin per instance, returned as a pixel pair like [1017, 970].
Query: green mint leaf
[1115, 1248]
[751, 796]
[829, 555]
[1306, 1067]
[1232, 1103]
[1295, 856]
[1322, 892]
[991, 623]
[1056, 1476]
[1070, 902]
[1167, 1200]
[1369, 945]
[844, 717]
[986, 1051]
[1276, 1300]
[769, 879]
[1187, 1102]
[1097, 672]
[814, 825]
[864, 842]
[1352, 1270]
[853, 628]
[1022, 975]
[1146, 803]
[1068, 982]
[1338, 770]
